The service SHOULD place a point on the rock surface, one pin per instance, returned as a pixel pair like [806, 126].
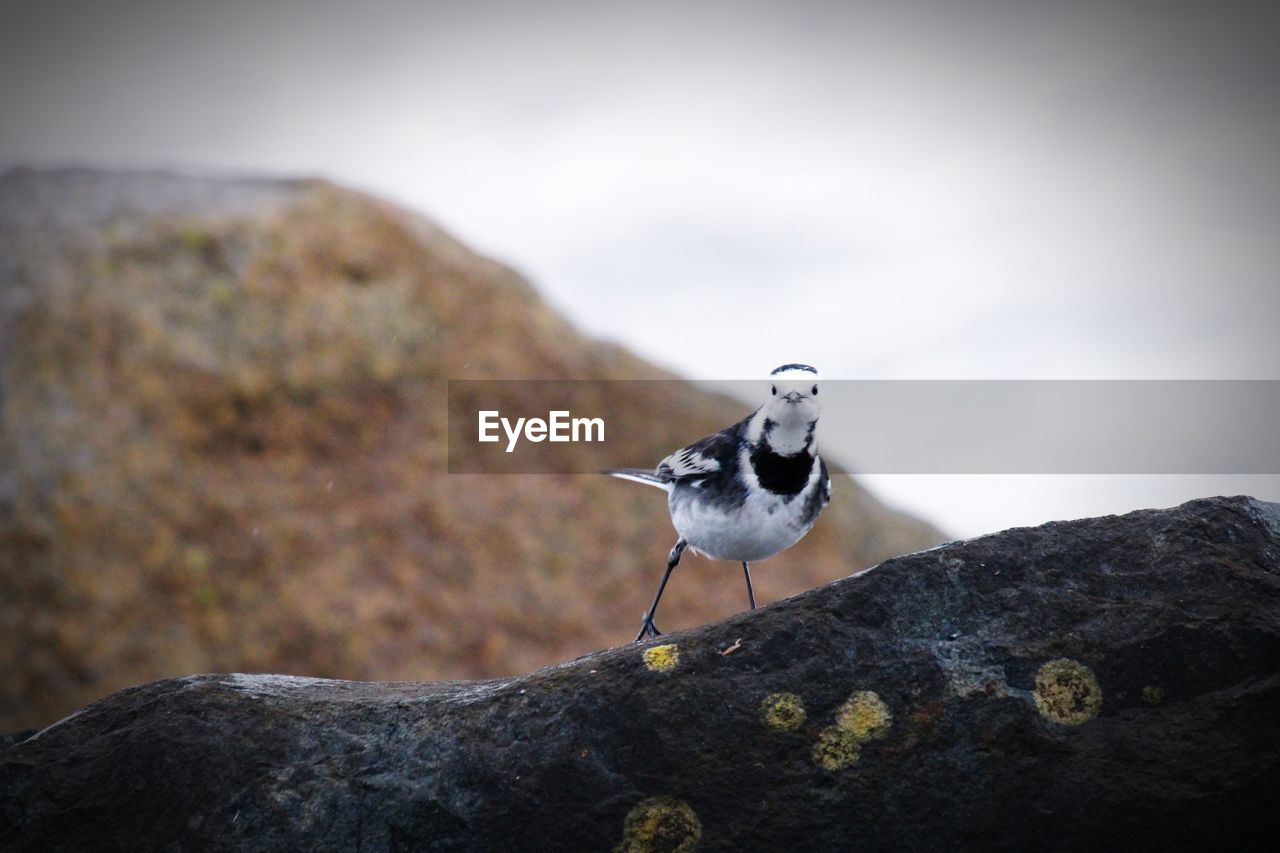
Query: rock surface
[1106, 683]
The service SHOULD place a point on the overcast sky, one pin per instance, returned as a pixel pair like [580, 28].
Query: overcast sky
[891, 190]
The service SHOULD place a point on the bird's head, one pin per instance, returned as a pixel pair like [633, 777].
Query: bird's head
[793, 396]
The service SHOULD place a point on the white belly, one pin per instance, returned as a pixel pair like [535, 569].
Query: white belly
[764, 525]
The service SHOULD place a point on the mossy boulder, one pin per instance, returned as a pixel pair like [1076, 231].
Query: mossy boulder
[223, 446]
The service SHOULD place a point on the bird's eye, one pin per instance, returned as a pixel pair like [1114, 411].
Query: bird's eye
[815, 390]
[775, 390]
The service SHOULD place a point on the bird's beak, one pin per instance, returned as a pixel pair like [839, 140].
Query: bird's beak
[793, 396]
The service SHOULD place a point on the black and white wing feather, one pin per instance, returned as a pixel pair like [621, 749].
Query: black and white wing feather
[703, 458]
[706, 457]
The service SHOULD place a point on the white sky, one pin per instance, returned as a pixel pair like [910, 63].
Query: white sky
[908, 190]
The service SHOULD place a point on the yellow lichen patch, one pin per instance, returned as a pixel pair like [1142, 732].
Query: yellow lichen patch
[783, 712]
[1153, 695]
[864, 715]
[660, 825]
[662, 658]
[1067, 692]
[836, 748]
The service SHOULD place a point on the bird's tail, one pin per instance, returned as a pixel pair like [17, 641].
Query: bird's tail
[640, 475]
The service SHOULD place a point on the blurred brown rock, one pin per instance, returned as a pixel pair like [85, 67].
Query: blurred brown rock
[222, 447]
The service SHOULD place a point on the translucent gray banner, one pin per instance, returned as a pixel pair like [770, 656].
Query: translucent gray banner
[883, 427]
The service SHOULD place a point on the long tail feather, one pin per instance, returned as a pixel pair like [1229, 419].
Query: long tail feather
[639, 475]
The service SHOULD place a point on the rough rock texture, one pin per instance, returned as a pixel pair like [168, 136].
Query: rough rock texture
[1107, 683]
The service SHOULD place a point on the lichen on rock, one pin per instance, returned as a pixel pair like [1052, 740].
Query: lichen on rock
[865, 716]
[836, 749]
[662, 658]
[782, 712]
[660, 825]
[1067, 692]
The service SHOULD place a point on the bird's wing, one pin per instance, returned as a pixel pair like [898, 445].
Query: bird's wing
[704, 457]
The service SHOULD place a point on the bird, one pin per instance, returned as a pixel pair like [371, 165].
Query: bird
[749, 491]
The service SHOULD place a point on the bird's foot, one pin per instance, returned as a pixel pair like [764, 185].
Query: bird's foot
[647, 629]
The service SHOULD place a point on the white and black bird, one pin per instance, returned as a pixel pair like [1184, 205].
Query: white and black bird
[749, 491]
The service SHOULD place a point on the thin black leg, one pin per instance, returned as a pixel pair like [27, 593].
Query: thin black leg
[647, 628]
[751, 596]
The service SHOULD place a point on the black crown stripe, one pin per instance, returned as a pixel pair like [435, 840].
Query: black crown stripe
[786, 367]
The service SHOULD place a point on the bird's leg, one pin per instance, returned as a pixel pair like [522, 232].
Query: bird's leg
[647, 628]
[751, 596]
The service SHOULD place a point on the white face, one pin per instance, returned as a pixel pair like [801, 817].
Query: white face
[793, 398]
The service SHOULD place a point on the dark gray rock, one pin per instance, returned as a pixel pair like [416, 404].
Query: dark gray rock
[1108, 683]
